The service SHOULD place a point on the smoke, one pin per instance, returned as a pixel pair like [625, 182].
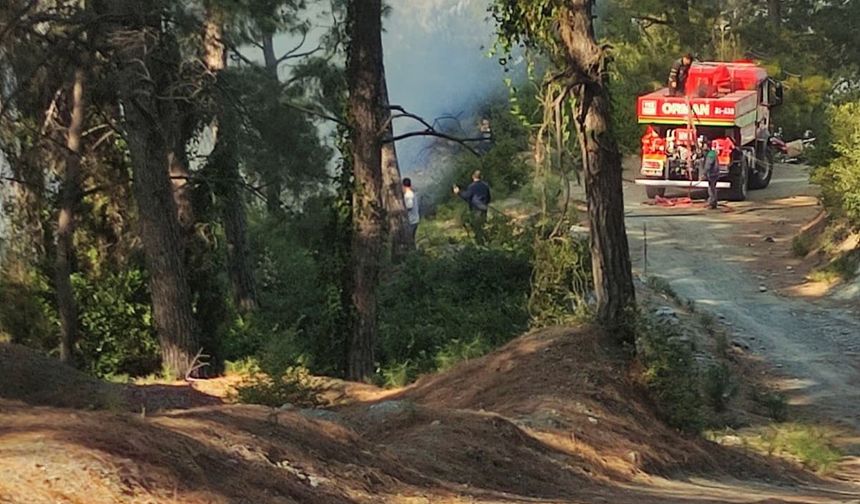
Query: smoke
[437, 64]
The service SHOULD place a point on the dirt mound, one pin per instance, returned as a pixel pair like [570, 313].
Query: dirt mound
[27, 376]
[565, 390]
[35, 379]
[551, 417]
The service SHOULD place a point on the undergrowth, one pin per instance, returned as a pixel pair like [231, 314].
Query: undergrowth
[671, 375]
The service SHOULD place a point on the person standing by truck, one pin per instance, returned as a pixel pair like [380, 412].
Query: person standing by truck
[678, 75]
[712, 172]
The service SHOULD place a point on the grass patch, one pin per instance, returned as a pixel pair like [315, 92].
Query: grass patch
[809, 445]
[842, 268]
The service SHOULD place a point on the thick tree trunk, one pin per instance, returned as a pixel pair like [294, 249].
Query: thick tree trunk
[613, 279]
[399, 233]
[159, 227]
[69, 197]
[364, 65]
[227, 187]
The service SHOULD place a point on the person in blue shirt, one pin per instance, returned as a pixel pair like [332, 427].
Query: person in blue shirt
[478, 196]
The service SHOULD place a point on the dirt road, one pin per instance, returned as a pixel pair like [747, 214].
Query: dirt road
[729, 261]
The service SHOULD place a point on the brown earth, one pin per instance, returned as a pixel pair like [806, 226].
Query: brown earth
[554, 416]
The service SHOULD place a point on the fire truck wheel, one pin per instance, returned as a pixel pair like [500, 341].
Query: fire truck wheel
[740, 184]
[653, 192]
[760, 178]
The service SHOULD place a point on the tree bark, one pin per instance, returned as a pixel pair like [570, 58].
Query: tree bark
[225, 163]
[69, 197]
[610, 255]
[136, 44]
[399, 233]
[364, 66]
[274, 184]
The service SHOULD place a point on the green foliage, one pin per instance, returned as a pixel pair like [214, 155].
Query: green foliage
[295, 386]
[840, 180]
[457, 351]
[844, 267]
[801, 245]
[27, 313]
[720, 386]
[116, 332]
[671, 375]
[810, 445]
[661, 286]
[472, 296]
[561, 280]
[774, 404]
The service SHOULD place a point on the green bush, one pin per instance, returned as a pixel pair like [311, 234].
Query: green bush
[720, 386]
[27, 313]
[472, 296]
[840, 180]
[561, 280]
[671, 375]
[116, 331]
[294, 386]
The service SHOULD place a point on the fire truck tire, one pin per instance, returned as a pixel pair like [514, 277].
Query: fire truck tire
[760, 178]
[740, 184]
[652, 192]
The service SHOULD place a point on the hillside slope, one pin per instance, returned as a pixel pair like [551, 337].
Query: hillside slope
[551, 417]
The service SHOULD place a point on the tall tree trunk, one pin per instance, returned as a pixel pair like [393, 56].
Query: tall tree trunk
[140, 69]
[225, 164]
[364, 66]
[399, 232]
[274, 185]
[774, 12]
[69, 197]
[610, 255]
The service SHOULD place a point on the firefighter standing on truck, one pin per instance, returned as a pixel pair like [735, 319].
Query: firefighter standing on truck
[678, 75]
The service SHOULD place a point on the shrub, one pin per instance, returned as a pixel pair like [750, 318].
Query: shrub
[720, 386]
[27, 313]
[561, 280]
[116, 331]
[457, 351]
[294, 386]
[775, 404]
[840, 180]
[474, 296]
[671, 375]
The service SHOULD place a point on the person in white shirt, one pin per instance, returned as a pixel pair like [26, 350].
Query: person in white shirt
[411, 202]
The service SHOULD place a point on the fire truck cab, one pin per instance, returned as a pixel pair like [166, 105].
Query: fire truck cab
[725, 106]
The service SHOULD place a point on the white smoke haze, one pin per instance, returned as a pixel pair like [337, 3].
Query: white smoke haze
[437, 64]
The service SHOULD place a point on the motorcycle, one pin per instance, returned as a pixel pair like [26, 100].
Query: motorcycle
[793, 151]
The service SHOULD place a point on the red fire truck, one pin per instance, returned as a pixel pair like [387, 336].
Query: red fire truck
[724, 105]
